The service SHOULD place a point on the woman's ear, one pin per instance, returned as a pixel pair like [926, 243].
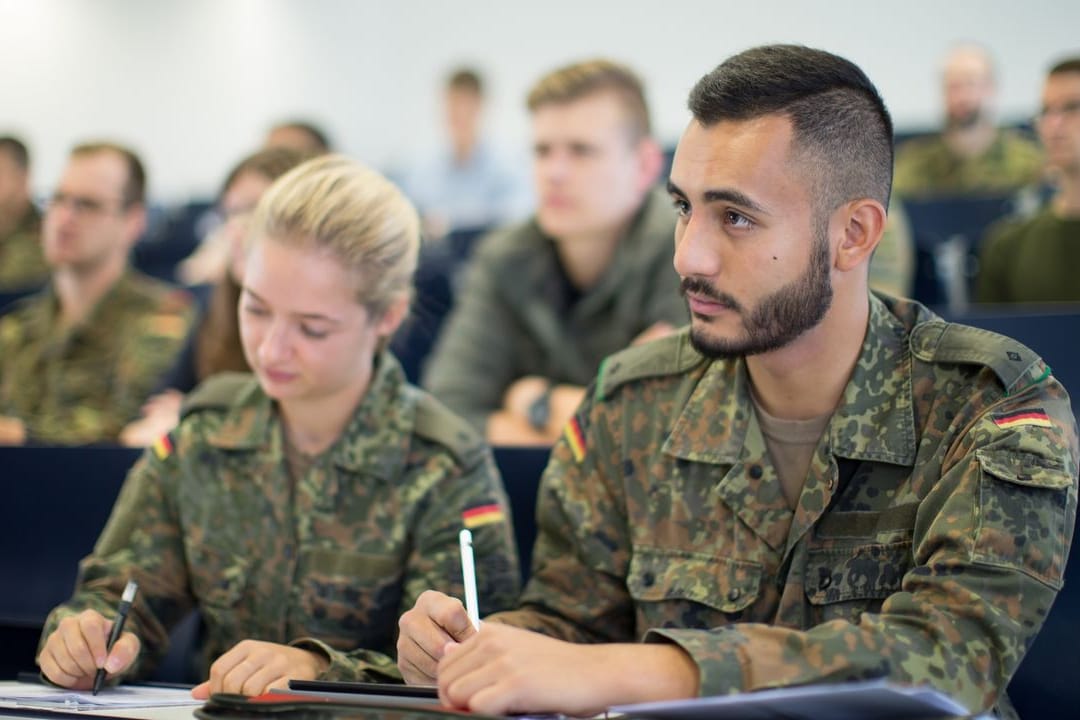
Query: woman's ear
[393, 317]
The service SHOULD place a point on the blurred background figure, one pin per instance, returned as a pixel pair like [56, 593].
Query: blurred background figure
[213, 346]
[22, 264]
[78, 359]
[1036, 259]
[467, 184]
[971, 154]
[545, 300]
[300, 135]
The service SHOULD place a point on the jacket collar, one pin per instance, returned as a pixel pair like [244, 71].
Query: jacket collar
[375, 441]
[713, 424]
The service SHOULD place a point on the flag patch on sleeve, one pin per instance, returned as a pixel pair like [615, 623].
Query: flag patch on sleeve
[1034, 416]
[482, 515]
[575, 438]
[162, 447]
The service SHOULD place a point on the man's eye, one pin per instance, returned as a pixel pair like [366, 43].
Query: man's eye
[737, 220]
[682, 208]
[312, 333]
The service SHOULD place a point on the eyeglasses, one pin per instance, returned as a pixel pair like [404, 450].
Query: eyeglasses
[81, 205]
[1065, 109]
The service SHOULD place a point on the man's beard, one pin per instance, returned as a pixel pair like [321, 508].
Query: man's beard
[964, 121]
[779, 318]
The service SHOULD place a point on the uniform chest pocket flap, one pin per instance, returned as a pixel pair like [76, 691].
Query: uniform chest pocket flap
[1023, 498]
[868, 572]
[661, 574]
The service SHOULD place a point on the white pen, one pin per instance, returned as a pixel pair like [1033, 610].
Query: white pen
[468, 573]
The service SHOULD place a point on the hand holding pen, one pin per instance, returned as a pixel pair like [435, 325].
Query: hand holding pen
[79, 647]
[118, 627]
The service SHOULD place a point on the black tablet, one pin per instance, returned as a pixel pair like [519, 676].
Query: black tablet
[365, 688]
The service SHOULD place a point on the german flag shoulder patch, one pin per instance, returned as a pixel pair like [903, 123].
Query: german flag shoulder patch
[575, 438]
[1032, 416]
[482, 515]
[162, 447]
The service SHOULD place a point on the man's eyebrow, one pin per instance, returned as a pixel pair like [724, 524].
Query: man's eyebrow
[723, 195]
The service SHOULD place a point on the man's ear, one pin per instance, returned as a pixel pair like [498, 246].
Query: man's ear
[863, 223]
[135, 224]
[650, 162]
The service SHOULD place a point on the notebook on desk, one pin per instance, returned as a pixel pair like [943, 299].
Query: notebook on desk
[876, 699]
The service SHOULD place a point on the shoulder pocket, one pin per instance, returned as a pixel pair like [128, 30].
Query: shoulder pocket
[1023, 499]
[722, 584]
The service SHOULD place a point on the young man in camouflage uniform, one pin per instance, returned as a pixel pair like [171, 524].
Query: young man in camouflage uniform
[78, 360]
[22, 265]
[811, 483]
[545, 301]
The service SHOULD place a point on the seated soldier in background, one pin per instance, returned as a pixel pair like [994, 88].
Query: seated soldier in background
[970, 155]
[1037, 259]
[78, 359]
[22, 265]
[543, 302]
[466, 184]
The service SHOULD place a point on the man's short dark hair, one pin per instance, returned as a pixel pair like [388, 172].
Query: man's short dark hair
[1068, 65]
[466, 79]
[16, 150]
[841, 125]
[134, 190]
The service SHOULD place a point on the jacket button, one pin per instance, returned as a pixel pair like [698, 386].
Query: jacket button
[756, 472]
[826, 581]
[648, 579]
[734, 594]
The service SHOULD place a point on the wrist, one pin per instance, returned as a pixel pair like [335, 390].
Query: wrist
[539, 412]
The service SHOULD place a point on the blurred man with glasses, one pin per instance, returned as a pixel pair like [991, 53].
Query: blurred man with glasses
[78, 359]
[1035, 259]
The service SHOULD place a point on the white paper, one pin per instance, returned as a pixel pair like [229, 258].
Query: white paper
[121, 696]
[876, 699]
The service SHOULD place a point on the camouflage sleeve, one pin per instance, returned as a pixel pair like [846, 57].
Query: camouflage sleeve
[455, 495]
[990, 544]
[577, 591]
[472, 362]
[140, 541]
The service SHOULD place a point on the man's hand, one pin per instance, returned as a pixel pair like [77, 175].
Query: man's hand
[253, 667]
[77, 648]
[424, 631]
[504, 670]
[12, 431]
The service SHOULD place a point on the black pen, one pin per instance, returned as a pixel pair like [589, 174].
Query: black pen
[118, 627]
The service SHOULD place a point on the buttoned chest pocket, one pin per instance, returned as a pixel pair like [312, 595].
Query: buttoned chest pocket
[843, 583]
[673, 588]
[351, 599]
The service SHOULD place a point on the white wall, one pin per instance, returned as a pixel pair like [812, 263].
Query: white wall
[193, 84]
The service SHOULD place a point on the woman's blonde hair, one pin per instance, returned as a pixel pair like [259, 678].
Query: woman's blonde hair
[335, 205]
